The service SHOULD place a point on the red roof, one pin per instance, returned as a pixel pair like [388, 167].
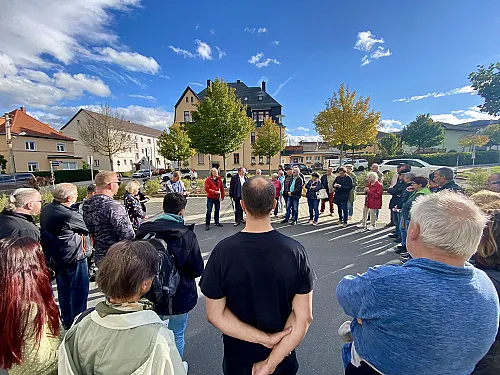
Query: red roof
[22, 122]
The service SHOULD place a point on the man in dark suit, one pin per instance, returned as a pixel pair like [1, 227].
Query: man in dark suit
[235, 188]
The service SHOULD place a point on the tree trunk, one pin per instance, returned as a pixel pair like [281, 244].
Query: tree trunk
[224, 169]
[111, 162]
[179, 165]
[270, 162]
[341, 154]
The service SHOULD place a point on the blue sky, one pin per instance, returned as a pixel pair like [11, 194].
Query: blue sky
[410, 57]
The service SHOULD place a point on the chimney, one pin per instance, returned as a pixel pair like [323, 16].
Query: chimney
[23, 109]
[238, 81]
[209, 83]
[264, 86]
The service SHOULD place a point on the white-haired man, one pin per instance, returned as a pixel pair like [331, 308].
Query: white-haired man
[17, 218]
[62, 230]
[436, 314]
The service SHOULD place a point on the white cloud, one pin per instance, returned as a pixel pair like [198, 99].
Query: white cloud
[366, 40]
[276, 42]
[182, 52]
[463, 116]
[78, 83]
[212, 31]
[302, 129]
[283, 85]
[294, 140]
[36, 75]
[391, 125]
[132, 61]
[252, 30]
[459, 90]
[164, 76]
[145, 97]
[365, 60]
[57, 116]
[380, 52]
[221, 52]
[196, 84]
[7, 66]
[204, 50]
[67, 31]
[259, 63]
[262, 30]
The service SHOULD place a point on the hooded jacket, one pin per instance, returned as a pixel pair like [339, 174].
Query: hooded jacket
[111, 341]
[107, 221]
[183, 245]
[62, 230]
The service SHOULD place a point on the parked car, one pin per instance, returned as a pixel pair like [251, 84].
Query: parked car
[359, 164]
[317, 165]
[11, 182]
[142, 173]
[232, 172]
[304, 169]
[419, 167]
[186, 173]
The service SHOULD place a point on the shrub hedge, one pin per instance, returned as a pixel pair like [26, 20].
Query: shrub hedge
[69, 175]
[447, 159]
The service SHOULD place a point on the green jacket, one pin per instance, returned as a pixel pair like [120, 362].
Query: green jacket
[352, 193]
[409, 203]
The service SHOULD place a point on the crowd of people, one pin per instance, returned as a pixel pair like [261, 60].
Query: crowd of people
[258, 283]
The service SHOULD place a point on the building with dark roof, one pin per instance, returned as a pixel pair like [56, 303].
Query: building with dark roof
[143, 154]
[260, 105]
[36, 144]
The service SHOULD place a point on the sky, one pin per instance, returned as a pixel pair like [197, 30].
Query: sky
[410, 57]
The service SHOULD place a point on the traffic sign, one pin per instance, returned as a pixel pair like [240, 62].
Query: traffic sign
[55, 163]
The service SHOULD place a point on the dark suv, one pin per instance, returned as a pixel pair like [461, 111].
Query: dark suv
[11, 182]
[304, 169]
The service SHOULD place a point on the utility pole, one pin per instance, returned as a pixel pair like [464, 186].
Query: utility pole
[8, 137]
[280, 124]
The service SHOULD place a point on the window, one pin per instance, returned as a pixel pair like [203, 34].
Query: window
[96, 162]
[186, 116]
[157, 161]
[124, 162]
[236, 158]
[32, 166]
[268, 160]
[61, 147]
[261, 116]
[136, 156]
[149, 141]
[308, 159]
[187, 99]
[255, 116]
[142, 139]
[318, 158]
[261, 160]
[137, 146]
[192, 99]
[130, 162]
[260, 98]
[201, 158]
[30, 145]
[253, 159]
[395, 162]
[252, 137]
[143, 151]
[69, 165]
[266, 114]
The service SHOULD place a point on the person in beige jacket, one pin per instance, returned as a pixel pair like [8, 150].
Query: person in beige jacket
[123, 335]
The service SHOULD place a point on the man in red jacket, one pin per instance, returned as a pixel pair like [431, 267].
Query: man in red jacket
[215, 194]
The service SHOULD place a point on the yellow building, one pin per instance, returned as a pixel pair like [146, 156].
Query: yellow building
[260, 105]
[35, 145]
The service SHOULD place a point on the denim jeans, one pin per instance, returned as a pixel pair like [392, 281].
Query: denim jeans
[343, 214]
[403, 228]
[210, 204]
[350, 208]
[292, 209]
[313, 209]
[277, 206]
[72, 290]
[177, 324]
[395, 218]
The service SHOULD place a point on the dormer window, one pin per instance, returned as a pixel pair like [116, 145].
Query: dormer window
[260, 98]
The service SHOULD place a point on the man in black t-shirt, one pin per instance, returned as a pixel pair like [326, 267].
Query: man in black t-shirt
[258, 285]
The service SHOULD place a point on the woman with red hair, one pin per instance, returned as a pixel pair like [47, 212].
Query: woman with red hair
[29, 324]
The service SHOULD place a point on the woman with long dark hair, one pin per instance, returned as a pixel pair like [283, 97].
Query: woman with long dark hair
[29, 323]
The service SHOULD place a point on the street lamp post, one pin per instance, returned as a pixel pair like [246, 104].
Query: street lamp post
[280, 122]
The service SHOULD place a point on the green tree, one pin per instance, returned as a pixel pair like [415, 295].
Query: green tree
[472, 140]
[175, 144]
[423, 132]
[492, 131]
[269, 141]
[221, 123]
[486, 81]
[390, 144]
[347, 120]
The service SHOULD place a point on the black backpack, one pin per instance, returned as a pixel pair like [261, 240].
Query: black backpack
[167, 276]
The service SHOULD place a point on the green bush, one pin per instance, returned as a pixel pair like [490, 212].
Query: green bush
[47, 195]
[127, 174]
[4, 201]
[69, 175]
[82, 193]
[386, 182]
[362, 180]
[477, 180]
[121, 191]
[152, 186]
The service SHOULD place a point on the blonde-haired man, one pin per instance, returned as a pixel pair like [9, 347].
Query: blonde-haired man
[106, 218]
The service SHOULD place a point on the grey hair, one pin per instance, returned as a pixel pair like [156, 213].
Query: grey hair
[449, 221]
[372, 175]
[20, 197]
[446, 172]
[274, 175]
[64, 190]
[133, 185]
[298, 168]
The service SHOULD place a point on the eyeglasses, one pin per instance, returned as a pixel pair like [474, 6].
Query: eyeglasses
[494, 182]
[116, 182]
